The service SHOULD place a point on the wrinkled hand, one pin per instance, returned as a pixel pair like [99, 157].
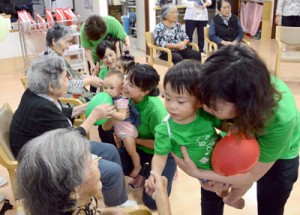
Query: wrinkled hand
[180, 46]
[103, 111]
[94, 81]
[185, 163]
[156, 186]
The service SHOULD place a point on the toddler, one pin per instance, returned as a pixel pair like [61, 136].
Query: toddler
[125, 62]
[187, 124]
[124, 127]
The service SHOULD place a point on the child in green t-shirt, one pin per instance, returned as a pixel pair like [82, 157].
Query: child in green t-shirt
[187, 124]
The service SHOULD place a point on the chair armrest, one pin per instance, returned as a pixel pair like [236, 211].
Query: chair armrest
[194, 46]
[137, 210]
[167, 50]
[74, 102]
[246, 42]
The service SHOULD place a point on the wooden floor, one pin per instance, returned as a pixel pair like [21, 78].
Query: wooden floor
[185, 197]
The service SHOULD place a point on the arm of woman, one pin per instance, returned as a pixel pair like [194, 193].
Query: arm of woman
[188, 166]
[159, 38]
[78, 110]
[149, 143]
[98, 113]
[75, 86]
[240, 35]
[92, 81]
[212, 33]
[207, 3]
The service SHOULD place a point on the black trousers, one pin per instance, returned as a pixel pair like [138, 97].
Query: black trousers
[273, 190]
[178, 56]
[190, 26]
[92, 89]
[106, 136]
[290, 21]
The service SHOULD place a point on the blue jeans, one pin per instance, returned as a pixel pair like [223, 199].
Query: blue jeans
[112, 177]
[273, 190]
[168, 172]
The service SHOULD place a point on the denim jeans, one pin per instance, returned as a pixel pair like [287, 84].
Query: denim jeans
[112, 177]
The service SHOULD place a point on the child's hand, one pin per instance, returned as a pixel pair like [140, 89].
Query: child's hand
[159, 191]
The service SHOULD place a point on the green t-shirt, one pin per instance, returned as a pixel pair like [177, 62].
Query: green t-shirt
[113, 27]
[199, 137]
[152, 111]
[103, 72]
[282, 137]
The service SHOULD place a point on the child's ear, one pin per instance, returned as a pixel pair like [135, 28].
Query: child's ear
[146, 92]
[200, 104]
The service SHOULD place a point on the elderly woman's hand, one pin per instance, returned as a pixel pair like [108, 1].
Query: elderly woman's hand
[103, 111]
[93, 81]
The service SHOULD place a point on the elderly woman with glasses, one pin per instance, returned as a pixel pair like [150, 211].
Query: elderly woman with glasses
[58, 40]
[225, 28]
[169, 34]
[40, 111]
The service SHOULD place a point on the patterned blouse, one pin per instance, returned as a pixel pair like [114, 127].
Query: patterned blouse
[172, 35]
[288, 8]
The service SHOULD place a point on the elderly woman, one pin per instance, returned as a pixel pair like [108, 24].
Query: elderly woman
[169, 34]
[57, 41]
[40, 111]
[225, 28]
[51, 181]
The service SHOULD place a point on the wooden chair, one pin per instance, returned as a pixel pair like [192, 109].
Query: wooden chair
[138, 210]
[289, 36]
[211, 46]
[7, 158]
[153, 57]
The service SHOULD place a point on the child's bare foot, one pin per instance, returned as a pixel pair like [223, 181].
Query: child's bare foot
[239, 204]
[136, 170]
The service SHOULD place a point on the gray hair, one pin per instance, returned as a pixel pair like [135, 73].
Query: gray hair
[50, 167]
[45, 70]
[56, 33]
[165, 10]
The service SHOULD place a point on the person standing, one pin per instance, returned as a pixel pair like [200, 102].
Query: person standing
[196, 16]
[288, 13]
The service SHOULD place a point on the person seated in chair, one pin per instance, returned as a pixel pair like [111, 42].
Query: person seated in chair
[40, 111]
[51, 181]
[169, 34]
[225, 28]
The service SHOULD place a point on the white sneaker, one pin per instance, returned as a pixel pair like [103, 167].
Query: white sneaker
[129, 203]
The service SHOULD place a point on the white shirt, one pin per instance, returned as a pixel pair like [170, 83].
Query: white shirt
[195, 13]
[288, 8]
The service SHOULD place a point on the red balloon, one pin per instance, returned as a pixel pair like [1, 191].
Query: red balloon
[234, 154]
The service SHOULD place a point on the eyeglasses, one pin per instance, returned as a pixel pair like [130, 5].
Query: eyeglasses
[226, 8]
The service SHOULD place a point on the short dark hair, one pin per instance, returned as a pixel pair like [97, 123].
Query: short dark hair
[183, 76]
[101, 48]
[145, 77]
[220, 2]
[127, 61]
[236, 74]
[94, 27]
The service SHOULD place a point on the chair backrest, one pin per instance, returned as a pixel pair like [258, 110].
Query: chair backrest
[6, 115]
[149, 38]
[288, 35]
[24, 82]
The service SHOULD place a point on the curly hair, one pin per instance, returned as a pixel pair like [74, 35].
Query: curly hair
[94, 27]
[236, 74]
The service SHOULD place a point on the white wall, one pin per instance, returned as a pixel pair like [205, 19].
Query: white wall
[11, 47]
